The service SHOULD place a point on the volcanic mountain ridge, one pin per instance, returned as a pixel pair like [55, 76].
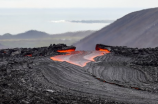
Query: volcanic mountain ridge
[137, 29]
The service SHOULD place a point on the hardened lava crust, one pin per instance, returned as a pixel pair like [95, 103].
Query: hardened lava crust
[55, 75]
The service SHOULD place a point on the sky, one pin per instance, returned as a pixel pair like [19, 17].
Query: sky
[17, 16]
[78, 3]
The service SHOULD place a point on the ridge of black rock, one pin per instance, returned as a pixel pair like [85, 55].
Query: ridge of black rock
[136, 29]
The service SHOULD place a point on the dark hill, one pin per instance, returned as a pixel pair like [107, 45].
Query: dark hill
[34, 38]
[26, 35]
[137, 29]
[32, 34]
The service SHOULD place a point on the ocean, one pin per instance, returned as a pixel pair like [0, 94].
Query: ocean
[54, 21]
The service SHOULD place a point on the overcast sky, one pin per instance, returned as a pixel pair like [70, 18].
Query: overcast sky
[78, 3]
[19, 20]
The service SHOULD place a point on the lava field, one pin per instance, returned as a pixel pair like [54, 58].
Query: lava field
[60, 75]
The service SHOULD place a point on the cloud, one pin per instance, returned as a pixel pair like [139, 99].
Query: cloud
[83, 21]
[59, 21]
[91, 21]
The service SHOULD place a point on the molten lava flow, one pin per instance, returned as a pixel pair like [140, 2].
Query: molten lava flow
[98, 48]
[106, 50]
[80, 58]
[66, 50]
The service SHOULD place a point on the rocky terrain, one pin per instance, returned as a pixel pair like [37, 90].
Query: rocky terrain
[137, 29]
[123, 76]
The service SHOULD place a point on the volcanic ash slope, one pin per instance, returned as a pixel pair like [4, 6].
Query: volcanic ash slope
[137, 29]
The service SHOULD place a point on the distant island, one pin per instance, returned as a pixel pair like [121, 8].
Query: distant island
[34, 38]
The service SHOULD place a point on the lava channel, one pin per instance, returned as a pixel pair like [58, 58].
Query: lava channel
[80, 58]
[98, 48]
[66, 50]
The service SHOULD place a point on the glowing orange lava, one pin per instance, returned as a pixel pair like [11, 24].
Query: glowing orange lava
[104, 50]
[66, 50]
[29, 55]
[98, 48]
[80, 58]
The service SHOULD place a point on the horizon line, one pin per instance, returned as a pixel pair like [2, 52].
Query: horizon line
[75, 8]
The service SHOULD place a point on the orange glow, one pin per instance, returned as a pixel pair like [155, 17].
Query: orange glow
[29, 55]
[135, 88]
[80, 58]
[101, 49]
[67, 50]
[104, 50]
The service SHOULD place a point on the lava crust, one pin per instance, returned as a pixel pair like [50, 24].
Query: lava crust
[52, 75]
